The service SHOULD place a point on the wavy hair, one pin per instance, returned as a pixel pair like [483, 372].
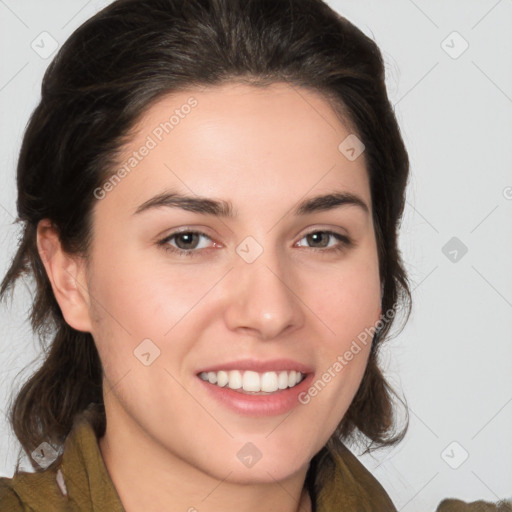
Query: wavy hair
[102, 80]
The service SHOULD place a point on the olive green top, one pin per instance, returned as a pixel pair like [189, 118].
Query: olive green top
[81, 483]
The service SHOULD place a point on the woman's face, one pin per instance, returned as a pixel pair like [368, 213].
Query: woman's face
[282, 283]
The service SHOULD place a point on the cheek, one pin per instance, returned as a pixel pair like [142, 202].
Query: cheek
[145, 298]
[347, 299]
[133, 301]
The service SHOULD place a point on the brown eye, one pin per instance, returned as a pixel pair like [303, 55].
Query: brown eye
[186, 243]
[319, 238]
[187, 240]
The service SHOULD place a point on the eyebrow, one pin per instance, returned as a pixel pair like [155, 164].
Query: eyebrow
[221, 208]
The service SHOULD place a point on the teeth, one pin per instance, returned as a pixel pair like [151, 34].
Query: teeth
[269, 382]
[235, 379]
[251, 381]
[282, 380]
[222, 379]
[254, 382]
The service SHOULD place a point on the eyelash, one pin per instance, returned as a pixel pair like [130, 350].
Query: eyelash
[345, 242]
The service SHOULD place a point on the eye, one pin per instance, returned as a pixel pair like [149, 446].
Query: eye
[185, 243]
[321, 241]
[191, 243]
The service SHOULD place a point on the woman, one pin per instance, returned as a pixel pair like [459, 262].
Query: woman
[210, 193]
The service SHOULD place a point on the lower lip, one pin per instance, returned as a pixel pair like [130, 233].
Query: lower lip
[273, 404]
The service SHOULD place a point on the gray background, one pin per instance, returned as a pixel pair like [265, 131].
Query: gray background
[453, 359]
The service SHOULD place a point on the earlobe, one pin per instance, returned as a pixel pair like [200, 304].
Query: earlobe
[67, 277]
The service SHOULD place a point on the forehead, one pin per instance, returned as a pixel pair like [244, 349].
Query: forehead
[235, 139]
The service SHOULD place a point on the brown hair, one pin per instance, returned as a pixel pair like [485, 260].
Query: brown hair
[107, 74]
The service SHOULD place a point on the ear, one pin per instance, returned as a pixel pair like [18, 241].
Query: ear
[67, 276]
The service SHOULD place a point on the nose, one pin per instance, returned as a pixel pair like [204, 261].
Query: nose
[261, 299]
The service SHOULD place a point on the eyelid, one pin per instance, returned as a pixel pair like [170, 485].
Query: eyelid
[313, 228]
[169, 233]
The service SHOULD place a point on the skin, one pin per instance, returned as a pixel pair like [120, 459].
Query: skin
[265, 150]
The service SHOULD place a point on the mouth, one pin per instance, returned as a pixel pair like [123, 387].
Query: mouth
[257, 388]
[254, 383]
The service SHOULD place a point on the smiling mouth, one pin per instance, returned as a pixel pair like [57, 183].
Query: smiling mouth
[254, 383]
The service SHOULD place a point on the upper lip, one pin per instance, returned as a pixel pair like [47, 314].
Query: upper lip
[256, 365]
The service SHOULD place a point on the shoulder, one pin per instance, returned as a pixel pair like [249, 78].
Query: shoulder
[342, 482]
[76, 480]
[32, 492]
[455, 505]
[9, 500]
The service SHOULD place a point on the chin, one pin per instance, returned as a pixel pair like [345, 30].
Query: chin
[262, 473]
[250, 466]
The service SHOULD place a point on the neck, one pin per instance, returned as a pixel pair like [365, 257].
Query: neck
[149, 477]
